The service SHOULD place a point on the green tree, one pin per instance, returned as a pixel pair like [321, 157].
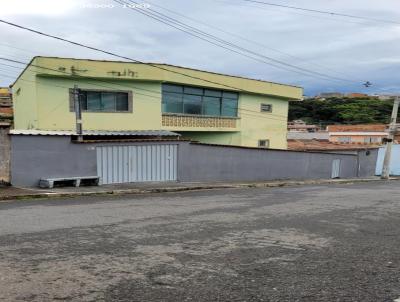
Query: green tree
[343, 111]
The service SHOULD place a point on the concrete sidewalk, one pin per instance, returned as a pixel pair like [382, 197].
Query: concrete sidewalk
[12, 193]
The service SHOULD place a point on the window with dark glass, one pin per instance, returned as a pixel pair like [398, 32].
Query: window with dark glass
[99, 101]
[263, 143]
[266, 108]
[198, 101]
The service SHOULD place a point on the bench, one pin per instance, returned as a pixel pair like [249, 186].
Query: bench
[75, 181]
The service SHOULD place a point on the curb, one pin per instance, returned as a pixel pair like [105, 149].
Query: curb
[192, 188]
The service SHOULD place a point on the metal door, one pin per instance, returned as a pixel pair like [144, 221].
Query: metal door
[336, 168]
[122, 164]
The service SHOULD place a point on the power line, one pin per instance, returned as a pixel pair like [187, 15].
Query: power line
[240, 37]
[61, 104]
[121, 56]
[308, 15]
[158, 97]
[193, 31]
[324, 12]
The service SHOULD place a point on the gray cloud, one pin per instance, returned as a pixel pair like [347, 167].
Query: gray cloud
[348, 48]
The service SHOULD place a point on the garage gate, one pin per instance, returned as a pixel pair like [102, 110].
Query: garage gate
[123, 164]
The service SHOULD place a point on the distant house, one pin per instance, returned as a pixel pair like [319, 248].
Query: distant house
[358, 134]
[324, 145]
[301, 126]
[319, 135]
[6, 111]
[340, 137]
[383, 97]
[327, 95]
[355, 95]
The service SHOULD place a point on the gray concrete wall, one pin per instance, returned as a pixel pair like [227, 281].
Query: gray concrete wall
[35, 157]
[5, 146]
[217, 163]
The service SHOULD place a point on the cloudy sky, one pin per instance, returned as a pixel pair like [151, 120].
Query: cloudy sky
[329, 53]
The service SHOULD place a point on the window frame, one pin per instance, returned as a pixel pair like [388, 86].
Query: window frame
[372, 140]
[128, 92]
[264, 143]
[206, 92]
[265, 111]
[345, 139]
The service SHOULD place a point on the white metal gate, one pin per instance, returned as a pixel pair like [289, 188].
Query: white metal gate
[122, 164]
[335, 168]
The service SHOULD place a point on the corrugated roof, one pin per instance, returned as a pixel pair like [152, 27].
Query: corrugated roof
[96, 132]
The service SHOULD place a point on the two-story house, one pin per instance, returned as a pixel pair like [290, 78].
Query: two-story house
[121, 96]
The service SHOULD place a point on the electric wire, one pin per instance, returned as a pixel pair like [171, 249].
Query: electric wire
[228, 45]
[120, 56]
[324, 12]
[242, 37]
[252, 113]
[159, 95]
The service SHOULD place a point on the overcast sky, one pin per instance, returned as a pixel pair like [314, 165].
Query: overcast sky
[350, 49]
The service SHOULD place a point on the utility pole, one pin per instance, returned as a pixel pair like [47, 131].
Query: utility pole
[389, 144]
[78, 112]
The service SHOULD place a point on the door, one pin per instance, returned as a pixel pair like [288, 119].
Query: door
[336, 168]
[123, 164]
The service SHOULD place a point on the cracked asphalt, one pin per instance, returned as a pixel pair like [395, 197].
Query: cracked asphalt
[308, 243]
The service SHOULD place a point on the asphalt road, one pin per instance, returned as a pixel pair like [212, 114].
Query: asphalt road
[310, 243]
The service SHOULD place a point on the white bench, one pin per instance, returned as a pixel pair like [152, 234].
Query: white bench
[76, 181]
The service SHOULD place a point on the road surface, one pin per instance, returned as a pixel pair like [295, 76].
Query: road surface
[309, 243]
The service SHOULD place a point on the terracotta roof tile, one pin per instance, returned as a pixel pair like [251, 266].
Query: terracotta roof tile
[357, 128]
[318, 145]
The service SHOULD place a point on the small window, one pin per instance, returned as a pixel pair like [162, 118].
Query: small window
[372, 140]
[266, 108]
[263, 143]
[344, 139]
[105, 101]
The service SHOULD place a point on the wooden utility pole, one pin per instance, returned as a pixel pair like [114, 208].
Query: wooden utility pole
[78, 113]
[389, 144]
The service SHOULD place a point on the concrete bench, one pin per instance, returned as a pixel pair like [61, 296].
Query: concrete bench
[76, 181]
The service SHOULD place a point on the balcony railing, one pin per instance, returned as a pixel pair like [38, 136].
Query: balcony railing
[198, 121]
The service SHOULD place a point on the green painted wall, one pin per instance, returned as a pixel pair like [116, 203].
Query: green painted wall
[54, 114]
[24, 100]
[41, 100]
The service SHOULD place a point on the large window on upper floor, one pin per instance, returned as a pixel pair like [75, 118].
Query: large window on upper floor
[198, 101]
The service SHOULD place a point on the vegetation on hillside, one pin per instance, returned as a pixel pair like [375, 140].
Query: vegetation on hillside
[341, 111]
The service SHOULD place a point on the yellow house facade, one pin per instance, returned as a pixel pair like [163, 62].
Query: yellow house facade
[122, 96]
